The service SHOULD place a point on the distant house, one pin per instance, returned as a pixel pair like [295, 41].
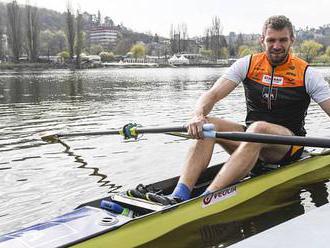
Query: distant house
[174, 60]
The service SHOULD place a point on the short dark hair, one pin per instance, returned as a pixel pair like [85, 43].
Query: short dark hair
[278, 22]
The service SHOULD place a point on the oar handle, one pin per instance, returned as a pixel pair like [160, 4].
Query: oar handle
[208, 130]
[274, 139]
[266, 138]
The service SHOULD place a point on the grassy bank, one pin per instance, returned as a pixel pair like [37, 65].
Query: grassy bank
[45, 66]
[320, 64]
[29, 66]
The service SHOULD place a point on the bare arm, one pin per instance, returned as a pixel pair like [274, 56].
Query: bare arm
[219, 90]
[205, 104]
[325, 105]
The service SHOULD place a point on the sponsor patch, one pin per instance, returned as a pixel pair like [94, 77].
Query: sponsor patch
[219, 196]
[276, 80]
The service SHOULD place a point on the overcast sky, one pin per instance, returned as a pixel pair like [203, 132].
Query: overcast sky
[156, 16]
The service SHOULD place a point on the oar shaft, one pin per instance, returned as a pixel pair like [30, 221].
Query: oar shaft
[133, 132]
[138, 130]
[87, 134]
[274, 139]
[162, 129]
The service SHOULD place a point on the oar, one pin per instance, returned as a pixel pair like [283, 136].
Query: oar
[132, 131]
[263, 138]
[270, 139]
[129, 131]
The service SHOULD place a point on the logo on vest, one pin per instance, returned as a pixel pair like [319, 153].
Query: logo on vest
[273, 93]
[276, 80]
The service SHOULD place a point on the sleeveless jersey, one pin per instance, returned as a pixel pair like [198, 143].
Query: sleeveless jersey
[277, 94]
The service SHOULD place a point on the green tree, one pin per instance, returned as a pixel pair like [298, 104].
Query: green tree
[65, 55]
[95, 49]
[327, 51]
[46, 38]
[224, 53]
[310, 49]
[244, 51]
[123, 46]
[59, 41]
[106, 56]
[206, 52]
[324, 59]
[51, 42]
[138, 50]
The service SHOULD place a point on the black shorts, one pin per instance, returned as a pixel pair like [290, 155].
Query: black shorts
[292, 155]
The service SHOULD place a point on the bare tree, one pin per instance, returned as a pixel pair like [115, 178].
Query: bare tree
[216, 31]
[207, 39]
[32, 32]
[178, 37]
[2, 52]
[98, 19]
[184, 30]
[79, 37]
[70, 32]
[184, 38]
[172, 40]
[14, 29]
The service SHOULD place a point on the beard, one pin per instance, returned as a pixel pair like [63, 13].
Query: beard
[277, 57]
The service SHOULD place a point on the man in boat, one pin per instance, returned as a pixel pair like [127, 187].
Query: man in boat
[278, 88]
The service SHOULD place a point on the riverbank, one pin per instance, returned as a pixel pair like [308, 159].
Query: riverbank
[45, 66]
[31, 66]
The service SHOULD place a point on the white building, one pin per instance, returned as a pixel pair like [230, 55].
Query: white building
[104, 36]
[182, 60]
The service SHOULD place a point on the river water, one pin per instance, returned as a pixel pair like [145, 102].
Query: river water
[40, 181]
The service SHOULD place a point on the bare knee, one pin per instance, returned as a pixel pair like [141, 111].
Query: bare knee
[259, 127]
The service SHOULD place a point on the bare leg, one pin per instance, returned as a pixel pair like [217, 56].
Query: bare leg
[246, 155]
[199, 155]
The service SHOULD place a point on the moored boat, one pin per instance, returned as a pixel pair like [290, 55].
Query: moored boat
[91, 226]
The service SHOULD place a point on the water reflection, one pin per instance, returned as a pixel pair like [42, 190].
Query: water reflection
[64, 85]
[113, 188]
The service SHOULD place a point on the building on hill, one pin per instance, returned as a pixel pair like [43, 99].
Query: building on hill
[103, 35]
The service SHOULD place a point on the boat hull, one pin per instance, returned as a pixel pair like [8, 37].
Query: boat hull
[152, 226]
[85, 226]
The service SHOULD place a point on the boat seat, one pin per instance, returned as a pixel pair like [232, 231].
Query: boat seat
[137, 203]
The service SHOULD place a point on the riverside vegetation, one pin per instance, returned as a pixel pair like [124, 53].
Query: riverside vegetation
[39, 38]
